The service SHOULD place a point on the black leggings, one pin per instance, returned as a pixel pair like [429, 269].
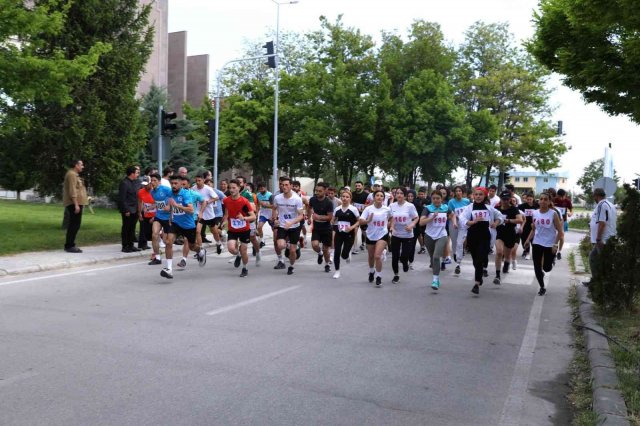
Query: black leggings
[401, 249]
[478, 246]
[542, 261]
[342, 244]
[411, 252]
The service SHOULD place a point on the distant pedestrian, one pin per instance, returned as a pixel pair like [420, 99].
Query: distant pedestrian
[74, 198]
[602, 226]
[128, 206]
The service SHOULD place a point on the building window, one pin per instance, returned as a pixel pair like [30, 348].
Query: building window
[517, 179]
[525, 179]
[545, 180]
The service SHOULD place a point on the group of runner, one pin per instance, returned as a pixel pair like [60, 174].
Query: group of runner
[446, 224]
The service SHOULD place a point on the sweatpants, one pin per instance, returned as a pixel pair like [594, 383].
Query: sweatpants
[342, 244]
[457, 240]
[542, 261]
[478, 246]
[436, 250]
[400, 250]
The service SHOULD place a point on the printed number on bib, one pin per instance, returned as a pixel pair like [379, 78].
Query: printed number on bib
[343, 226]
[529, 212]
[160, 205]
[562, 210]
[482, 215]
[176, 211]
[150, 207]
[287, 216]
[459, 211]
[238, 223]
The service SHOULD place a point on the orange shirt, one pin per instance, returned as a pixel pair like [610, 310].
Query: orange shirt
[148, 203]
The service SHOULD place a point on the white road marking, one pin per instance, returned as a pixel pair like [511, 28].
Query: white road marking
[514, 405]
[252, 301]
[84, 271]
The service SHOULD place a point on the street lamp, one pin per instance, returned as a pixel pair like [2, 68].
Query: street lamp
[277, 93]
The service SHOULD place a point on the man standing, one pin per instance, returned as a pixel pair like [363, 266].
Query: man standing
[74, 197]
[128, 206]
[602, 226]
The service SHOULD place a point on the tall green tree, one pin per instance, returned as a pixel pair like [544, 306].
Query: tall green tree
[595, 45]
[102, 126]
[590, 174]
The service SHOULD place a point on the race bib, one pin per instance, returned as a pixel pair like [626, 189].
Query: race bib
[439, 220]
[459, 211]
[358, 206]
[160, 205]
[480, 215]
[150, 207]
[287, 216]
[343, 226]
[238, 223]
[402, 220]
[176, 211]
[562, 210]
[529, 212]
[544, 223]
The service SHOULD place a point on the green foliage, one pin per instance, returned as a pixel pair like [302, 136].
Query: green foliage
[591, 173]
[615, 284]
[579, 223]
[596, 46]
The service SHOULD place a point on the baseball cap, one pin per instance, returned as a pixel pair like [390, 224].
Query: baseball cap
[378, 182]
[144, 182]
[505, 195]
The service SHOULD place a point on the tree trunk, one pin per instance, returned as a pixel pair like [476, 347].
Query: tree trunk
[488, 176]
[18, 195]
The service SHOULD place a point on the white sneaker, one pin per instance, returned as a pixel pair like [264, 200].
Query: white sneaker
[258, 258]
[411, 266]
[514, 264]
[527, 257]
[162, 244]
[336, 275]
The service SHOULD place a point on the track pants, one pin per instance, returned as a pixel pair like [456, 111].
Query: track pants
[542, 261]
[342, 244]
[436, 250]
[478, 246]
[457, 240]
[400, 250]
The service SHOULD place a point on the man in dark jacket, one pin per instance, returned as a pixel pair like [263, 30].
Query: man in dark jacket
[128, 206]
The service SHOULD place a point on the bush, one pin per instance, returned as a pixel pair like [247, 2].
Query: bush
[616, 282]
[585, 249]
[580, 223]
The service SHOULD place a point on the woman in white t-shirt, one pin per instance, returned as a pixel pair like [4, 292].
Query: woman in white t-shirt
[404, 219]
[546, 232]
[435, 217]
[376, 217]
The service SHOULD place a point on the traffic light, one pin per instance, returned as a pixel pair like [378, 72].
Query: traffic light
[167, 125]
[211, 131]
[636, 182]
[560, 132]
[271, 60]
[507, 176]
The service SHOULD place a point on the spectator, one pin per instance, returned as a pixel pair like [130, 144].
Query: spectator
[128, 206]
[183, 172]
[74, 198]
[602, 226]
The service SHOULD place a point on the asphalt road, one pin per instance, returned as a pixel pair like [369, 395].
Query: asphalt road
[120, 345]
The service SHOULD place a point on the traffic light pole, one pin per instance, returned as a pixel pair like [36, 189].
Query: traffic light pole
[217, 99]
[160, 139]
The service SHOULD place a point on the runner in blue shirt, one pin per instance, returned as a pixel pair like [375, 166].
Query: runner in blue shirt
[457, 230]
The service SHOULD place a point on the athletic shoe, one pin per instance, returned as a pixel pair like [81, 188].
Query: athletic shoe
[491, 251]
[319, 258]
[202, 260]
[443, 266]
[218, 249]
[435, 284]
[206, 240]
[236, 262]
[162, 244]
[179, 241]
[505, 268]
[327, 268]
[336, 275]
[182, 263]
[514, 265]
[395, 279]
[485, 273]
[542, 291]
[370, 277]
[496, 280]
[253, 251]
[143, 247]
[290, 270]
[166, 273]
[195, 255]
[411, 266]
[378, 282]
[527, 257]
[475, 289]
[287, 252]
[262, 244]
[258, 258]
[279, 265]
[298, 252]
[448, 260]
[422, 250]
[348, 259]
[457, 271]
[155, 262]
[586, 283]
[361, 247]
[244, 273]
[405, 267]
[559, 256]
[355, 252]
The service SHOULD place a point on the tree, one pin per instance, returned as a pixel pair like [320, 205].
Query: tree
[103, 125]
[595, 46]
[590, 174]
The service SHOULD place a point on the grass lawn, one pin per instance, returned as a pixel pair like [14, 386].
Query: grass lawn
[34, 227]
[579, 223]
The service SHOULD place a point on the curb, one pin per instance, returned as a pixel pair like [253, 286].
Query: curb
[66, 264]
[608, 403]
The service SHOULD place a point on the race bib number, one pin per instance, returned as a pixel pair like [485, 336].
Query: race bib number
[176, 211]
[459, 211]
[160, 205]
[238, 223]
[529, 212]
[343, 226]
[439, 220]
[287, 216]
[480, 215]
[562, 210]
[150, 207]
[358, 206]
[403, 220]
[543, 223]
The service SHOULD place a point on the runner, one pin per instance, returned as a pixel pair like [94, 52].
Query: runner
[512, 190]
[255, 242]
[210, 201]
[345, 221]
[359, 202]
[239, 212]
[546, 232]
[480, 217]
[421, 202]
[506, 233]
[434, 217]
[457, 228]
[218, 210]
[404, 220]
[528, 207]
[412, 198]
[265, 200]
[564, 205]
[289, 209]
[181, 222]
[494, 200]
[160, 194]
[320, 213]
[296, 187]
[376, 217]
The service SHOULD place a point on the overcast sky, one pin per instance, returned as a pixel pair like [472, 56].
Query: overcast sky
[221, 28]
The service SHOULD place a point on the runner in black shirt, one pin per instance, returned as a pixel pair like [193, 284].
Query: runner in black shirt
[506, 233]
[320, 212]
[528, 207]
[359, 201]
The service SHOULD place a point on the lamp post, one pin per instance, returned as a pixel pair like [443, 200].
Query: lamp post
[277, 94]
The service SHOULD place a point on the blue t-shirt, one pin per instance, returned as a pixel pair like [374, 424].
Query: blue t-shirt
[458, 206]
[160, 196]
[197, 202]
[433, 209]
[217, 208]
[181, 218]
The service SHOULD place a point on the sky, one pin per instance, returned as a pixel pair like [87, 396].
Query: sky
[222, 28]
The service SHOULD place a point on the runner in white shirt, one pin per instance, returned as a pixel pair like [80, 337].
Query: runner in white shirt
[377, 186]
[288, 208]
[376, 217]
[435, 217]
[546, 232]
[208, 214]
[404, 219]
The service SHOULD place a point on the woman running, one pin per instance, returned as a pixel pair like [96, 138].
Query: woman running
[345, 226]
[506, 234]
[528, 207]
[376, 217]
[546, 233]
[403, 222]
[457, 229]
[435, 217]
[480, 217]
